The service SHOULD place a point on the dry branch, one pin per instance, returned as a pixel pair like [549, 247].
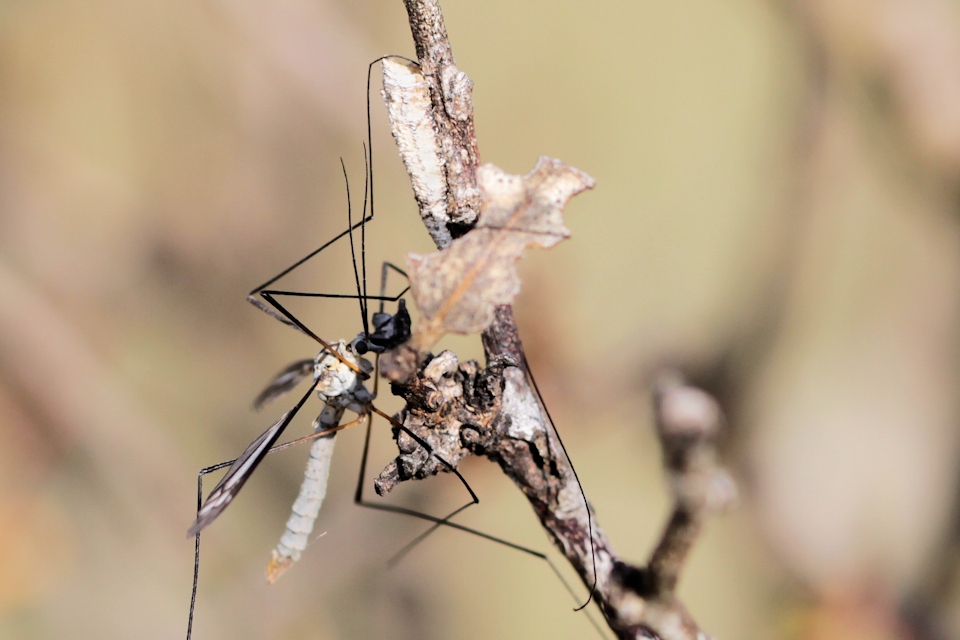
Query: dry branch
[451, 95]
[462, 409]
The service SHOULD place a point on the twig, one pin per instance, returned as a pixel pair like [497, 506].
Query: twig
[461, 409]
[451, 93]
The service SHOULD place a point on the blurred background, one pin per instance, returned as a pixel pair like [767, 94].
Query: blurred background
[776, 211]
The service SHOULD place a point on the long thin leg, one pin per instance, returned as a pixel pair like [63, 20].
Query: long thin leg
[279, 307]
[270, 312]
[289, 319]
[593, 550]
[348, 296]
[285, 317]
[384, 272]
[370, 140]
[368, 159]
[247, 463]
[271, 294]
[444, 521]
[383, 297]
[196, 546]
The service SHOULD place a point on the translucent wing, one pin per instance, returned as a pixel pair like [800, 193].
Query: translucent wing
[238, 473]
[284, 382]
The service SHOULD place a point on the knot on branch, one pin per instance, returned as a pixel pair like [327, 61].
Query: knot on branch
[450, 405]
[457, 90]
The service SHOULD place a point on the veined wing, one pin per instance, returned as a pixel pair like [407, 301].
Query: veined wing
[238, 473]
[284, 382]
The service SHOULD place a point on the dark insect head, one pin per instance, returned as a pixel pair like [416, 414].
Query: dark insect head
[389, 331]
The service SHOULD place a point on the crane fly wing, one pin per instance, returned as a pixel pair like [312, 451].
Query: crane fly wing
[238, 473]
[284, 382]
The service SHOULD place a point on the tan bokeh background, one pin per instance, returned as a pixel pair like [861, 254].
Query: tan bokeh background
[776, 210]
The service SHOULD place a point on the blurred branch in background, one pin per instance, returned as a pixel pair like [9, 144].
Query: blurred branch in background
[84, 411]
[883, 85]
[688, 425]
[85, 420]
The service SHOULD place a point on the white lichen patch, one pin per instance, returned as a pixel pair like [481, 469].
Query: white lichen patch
[570, 502]
[409, 109]
[526, 420]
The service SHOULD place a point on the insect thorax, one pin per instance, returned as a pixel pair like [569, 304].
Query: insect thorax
[335, 379]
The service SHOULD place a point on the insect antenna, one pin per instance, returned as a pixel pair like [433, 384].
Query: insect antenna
[367, 187]
[353, 253]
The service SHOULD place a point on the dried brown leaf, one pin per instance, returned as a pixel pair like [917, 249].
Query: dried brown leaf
[457, 289]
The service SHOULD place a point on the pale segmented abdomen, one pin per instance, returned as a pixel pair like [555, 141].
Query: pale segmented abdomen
[305, 508]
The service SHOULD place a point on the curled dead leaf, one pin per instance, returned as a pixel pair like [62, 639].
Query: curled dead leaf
[458, 288]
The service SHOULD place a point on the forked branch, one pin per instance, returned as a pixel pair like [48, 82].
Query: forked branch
[462, 409]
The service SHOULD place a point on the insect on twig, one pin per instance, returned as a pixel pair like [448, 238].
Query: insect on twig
[338, 373]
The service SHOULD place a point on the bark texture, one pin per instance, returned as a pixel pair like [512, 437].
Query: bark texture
[462, 409]
[451, 93]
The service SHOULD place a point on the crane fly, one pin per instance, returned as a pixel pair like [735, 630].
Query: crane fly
[338, 375]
